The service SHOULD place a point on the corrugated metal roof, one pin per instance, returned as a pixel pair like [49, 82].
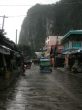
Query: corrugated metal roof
[72, 51]
[73, 32]
[76, 32]
[4, 50]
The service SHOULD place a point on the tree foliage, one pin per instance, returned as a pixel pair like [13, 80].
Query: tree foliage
[26, 50]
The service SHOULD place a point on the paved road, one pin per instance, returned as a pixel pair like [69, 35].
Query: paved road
[37, 91]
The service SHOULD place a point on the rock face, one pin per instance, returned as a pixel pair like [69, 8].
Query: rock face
[48, 20]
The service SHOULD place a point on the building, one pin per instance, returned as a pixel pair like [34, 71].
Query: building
[55, 41]
[10, 62]
[72, 42]
[52, 40]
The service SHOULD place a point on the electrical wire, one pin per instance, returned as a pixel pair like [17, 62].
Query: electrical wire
[16, 16]
[16, 5]
[52, 3]
[32, 5]
[13, 16]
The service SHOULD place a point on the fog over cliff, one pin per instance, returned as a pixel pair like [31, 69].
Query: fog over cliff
[50, 20]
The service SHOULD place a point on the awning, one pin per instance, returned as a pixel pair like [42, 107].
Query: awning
[4, 50]
[72, 51]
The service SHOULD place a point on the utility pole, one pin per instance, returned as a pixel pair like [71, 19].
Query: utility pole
[3, 21]
[16, 36]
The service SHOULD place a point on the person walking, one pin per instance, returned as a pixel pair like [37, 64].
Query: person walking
[52, 55]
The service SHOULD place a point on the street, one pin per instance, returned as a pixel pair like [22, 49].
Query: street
[43, 91]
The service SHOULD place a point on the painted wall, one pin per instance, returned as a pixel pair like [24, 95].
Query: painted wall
[52, 40]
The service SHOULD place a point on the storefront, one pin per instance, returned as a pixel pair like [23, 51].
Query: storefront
[72, 43]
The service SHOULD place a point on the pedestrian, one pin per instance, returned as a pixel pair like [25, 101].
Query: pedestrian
[22, 65]
[52, 55]
[71, 61]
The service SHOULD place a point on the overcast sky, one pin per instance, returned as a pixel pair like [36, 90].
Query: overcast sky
[15, 11]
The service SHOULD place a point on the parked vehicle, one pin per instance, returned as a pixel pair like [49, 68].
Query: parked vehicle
[77, 68]
[77, 61]
[36, 61]
[59, 61]
[27, 64]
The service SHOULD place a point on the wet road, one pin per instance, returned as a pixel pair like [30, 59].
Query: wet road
[37, 91]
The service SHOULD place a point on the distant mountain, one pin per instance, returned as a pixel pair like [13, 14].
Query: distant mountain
[45, 20]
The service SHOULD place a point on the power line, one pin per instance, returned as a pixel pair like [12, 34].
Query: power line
[15, 5]
[16, 16]
[43, 4]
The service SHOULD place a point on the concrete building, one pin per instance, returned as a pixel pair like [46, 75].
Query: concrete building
[53, 40]
[72, 43]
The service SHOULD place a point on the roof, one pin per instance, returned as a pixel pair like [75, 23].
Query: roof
[4, 50]
[72, 32]
[44, 59]
[6, 42]
[72, 51]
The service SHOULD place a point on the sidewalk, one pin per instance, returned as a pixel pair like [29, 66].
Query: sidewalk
[9, 79]
[64, 70]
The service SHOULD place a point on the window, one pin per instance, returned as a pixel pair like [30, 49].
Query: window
[76, 44]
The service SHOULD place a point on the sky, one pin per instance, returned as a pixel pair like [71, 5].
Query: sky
[15, 11]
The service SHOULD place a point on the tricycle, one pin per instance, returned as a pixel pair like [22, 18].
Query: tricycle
[45, 65]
